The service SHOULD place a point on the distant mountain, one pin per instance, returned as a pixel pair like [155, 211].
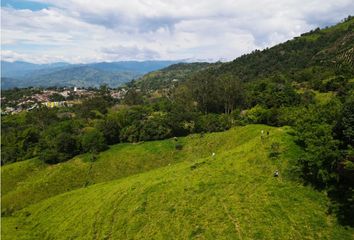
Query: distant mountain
[24, 74]
[132, 66]
[8, 82]
[20, 69]
[80, 76]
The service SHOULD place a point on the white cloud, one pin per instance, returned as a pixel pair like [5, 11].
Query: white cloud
[88, 30]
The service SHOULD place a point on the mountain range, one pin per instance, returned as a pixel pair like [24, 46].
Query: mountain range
[24, 74]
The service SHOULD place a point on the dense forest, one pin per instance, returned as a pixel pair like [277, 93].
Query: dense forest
[306, 83]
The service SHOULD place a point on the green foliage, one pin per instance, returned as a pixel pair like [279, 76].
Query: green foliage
[56, 97]
[155, 127]
[110, 129]
[59, 142]
[152, 127]
[257, 114]
[213, 123]
[322, 153]
[163, 78]
[236, 186]
[345, 127]
[133, 97]
[91, 107]
[42, 117]
[306, 83]
[272, 93]
[93, 141]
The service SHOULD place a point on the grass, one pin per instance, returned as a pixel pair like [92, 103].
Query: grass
[230, 196]
[31, 181]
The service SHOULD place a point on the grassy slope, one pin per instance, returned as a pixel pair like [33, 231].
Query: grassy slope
[28, 182]
[230, 196]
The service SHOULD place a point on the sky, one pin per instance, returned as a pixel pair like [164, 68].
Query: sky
[83, 31]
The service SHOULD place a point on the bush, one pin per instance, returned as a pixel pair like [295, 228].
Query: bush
[130, 133]
[49, 156]
[213, 123]
[257, 114]
[154, 128]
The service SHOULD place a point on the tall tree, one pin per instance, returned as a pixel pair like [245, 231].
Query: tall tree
[230, 92]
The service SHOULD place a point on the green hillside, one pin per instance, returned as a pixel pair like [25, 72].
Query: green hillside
[319, 53]
[164, 78]
[232, 195]
[23, 182]
[326, 52]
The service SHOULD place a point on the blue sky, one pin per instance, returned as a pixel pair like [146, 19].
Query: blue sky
[81, 31]
[21, 4]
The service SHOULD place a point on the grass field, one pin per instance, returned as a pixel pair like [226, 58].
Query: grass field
[152, 191]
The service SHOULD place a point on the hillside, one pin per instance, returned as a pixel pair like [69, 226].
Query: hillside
[317, 55]
[230, 196]
[330, 49]
[23, 182]
[163, 78]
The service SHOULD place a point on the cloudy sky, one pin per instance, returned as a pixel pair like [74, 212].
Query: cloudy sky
[81, 31]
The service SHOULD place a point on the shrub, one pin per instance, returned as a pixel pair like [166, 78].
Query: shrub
[257, 114]
[213, 123]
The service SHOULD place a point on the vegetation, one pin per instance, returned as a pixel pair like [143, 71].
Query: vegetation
[303, 88]
[165, 77]
[230, 195]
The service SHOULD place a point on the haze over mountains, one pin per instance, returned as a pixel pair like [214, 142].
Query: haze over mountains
[114, 74]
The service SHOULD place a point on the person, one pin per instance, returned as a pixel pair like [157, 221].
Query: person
[267, 133]
[276, 173]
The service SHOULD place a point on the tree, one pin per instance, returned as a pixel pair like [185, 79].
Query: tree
[42, 117]
[97, 104]
[154, 127]
[213, 123]
[314, 132]
[257, 114]
[230, 91]
[345, 126]
[203, 89]
[67, 145]
[133, 97]
[56, 97]
[93, 141]
[110, 129]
